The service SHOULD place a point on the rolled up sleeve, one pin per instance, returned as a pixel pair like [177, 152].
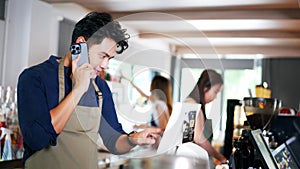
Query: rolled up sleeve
[33, 112]
[110, 129]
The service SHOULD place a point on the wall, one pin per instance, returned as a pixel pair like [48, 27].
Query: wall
[65, 35]
[71, 11]
[70, 14]
[283, 77]
[188, 81]
[2, 30]
[32, 29]
[17, 49]
[44, 31]
[140, 53]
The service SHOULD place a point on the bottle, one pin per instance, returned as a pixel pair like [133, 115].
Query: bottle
[9, 106]
[2, 119]
[20, 153]
[2, 95]
[7, 149]
[2, 107]
[14, 126]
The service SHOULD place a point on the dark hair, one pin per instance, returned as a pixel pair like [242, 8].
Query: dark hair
[207, 79]
[96, 26]
[161, 87]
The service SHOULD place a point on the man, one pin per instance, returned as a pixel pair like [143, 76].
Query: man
[62, 106]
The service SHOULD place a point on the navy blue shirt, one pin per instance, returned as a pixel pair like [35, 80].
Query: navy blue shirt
[38, 93]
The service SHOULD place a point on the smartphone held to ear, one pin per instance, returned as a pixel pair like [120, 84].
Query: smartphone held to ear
[82, 49]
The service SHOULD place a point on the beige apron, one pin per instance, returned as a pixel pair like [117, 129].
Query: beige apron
[76, 145]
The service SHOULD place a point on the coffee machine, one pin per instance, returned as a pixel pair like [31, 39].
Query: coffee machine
[259, 112]
[230, 126]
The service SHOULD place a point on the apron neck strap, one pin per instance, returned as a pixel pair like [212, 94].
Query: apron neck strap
[61, 80]
[99, 94]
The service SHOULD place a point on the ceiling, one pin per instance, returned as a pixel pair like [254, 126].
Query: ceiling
[236, 28]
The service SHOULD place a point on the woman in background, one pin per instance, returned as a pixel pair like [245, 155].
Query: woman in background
[205, 91]
[161, 101]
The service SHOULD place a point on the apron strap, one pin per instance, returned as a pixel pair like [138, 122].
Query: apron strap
[61, 79]
[99, 94]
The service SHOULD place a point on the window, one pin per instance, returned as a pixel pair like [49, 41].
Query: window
[237, 82]
[141, 76]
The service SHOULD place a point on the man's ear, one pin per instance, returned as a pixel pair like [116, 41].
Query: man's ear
[80, 39]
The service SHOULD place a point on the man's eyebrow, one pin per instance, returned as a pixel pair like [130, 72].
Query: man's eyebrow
[107, 55]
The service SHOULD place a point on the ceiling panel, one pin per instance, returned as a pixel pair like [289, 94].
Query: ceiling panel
[269, 27]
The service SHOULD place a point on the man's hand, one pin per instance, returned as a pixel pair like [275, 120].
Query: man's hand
[148, 136]
[81, 75]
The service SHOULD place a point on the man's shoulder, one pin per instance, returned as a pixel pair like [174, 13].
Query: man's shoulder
[103, 86]
[40, 68]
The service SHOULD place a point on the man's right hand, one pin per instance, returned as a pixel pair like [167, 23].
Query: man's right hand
[81, 75]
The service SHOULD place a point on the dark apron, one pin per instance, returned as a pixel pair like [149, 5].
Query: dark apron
[77, 143]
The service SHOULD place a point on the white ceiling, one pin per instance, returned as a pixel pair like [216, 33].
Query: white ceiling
[270, 28]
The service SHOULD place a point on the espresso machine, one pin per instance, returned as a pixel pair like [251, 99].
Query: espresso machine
[259, 113]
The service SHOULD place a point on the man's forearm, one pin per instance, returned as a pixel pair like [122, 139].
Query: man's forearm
[62, 112]
[123, 144]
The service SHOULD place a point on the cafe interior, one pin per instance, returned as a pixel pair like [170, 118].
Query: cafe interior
[254, 45]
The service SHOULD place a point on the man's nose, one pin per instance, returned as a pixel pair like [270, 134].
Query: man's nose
[104, 63]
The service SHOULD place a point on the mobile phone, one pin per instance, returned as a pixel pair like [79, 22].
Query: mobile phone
[82, 49]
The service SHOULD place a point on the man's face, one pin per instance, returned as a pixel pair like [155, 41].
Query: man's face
[99, 54]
